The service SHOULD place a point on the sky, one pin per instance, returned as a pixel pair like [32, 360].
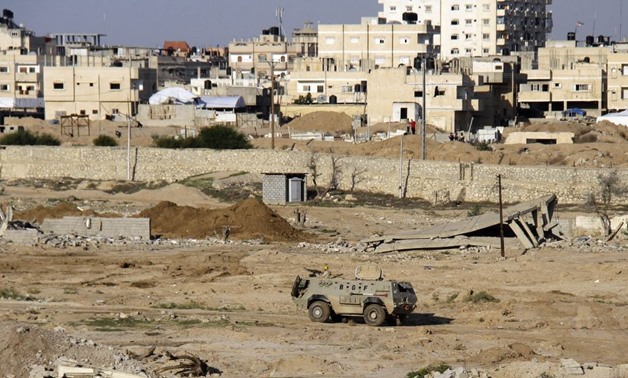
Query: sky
[205, 23]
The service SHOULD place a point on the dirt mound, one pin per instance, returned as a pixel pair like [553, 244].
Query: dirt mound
[248, 219]
[23, 347]
[63, 209]
[516, 351]
[329, 122]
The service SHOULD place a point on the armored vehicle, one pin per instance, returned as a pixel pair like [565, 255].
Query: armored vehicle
[368, 296]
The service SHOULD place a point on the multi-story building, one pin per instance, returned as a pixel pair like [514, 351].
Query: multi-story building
[592, 78]
[16, 38]
[21, 78]
[268, 52]
[96, 91]
[370, 45]
[476, 28]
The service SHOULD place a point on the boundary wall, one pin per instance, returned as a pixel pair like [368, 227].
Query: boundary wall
[435, 181]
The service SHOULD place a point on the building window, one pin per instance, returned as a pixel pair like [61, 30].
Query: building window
[418, 94]
[486, 21]
[438, 92]
[455, 22]
[94, 111]
[454, 36]
[557, 85]
[404, 41]
[468, 21]
[83, 112]
[428, 9]
[261, 58]
[379, 40]
[581, 88]
[330, 40]
[306, 88]
[57, 85]
[4, 69]
[347, 89]
[624, 93]
[114, 86]
[455, 7]
[4, 87]
[409, 8]
[354, 40]
[393, 8]
[455, 51]
[239, 59]
[485, 50]
[486, 7]
[486, 36]
[320, 88]
[468, 7]
[624, 69]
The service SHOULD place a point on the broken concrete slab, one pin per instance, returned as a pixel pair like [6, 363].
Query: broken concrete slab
[530, 222]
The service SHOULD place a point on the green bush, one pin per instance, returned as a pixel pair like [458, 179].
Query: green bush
[475, 210]
[105, 141]
[218, 137]
[482, 296]
[26, 138]
[441, 367]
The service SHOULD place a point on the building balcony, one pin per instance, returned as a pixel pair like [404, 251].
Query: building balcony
[537, 75]
[26, 77]
[501, 27]
[534, 96]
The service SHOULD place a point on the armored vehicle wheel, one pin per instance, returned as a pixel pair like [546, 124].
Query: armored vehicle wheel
[319, 312]
[374, 315]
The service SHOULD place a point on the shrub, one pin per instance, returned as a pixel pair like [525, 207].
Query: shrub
[441, 367]
[218, 137]
[105, 141]
[475, 210]
[26, 138]
[482, 296]
[483, 146]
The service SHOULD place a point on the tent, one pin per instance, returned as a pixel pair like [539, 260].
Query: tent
[173, 95]
[223, 102]
[620, 118]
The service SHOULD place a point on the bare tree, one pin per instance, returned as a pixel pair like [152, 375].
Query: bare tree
[313, 167]
[334, 181]
[609, 186]
[356, 177]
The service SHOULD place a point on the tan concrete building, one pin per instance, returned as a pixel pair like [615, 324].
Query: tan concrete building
[370, 45]
[592, 78]
[21, 81]
[96, 91]
[476, 28]
[256, 55]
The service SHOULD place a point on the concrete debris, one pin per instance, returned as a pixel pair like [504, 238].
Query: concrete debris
[571, 367]
[530, 223]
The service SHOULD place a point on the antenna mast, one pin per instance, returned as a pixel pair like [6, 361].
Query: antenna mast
[279, 13]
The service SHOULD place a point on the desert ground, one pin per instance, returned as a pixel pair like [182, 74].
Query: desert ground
[128, 305]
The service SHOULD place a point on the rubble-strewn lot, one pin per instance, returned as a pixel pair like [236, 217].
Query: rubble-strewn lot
[127, 304]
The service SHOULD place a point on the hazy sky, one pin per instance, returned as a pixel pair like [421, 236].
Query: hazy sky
[216, 22]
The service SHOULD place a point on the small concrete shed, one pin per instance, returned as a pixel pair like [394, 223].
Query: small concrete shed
[283, 188]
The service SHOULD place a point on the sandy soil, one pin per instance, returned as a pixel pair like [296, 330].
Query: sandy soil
[229, 303]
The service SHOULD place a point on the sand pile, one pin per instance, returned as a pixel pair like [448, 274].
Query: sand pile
[248, 219]
[329, 122]
[63, 209]
[24, 348]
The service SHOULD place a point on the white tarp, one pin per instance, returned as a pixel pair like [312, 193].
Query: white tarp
[172, 95]
[620, 118]
[12, 103]
[223, 102]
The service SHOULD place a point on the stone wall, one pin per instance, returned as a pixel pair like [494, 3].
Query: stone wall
[431, 180]
[96, 226]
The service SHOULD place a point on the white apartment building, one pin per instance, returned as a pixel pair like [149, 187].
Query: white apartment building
[473, 28]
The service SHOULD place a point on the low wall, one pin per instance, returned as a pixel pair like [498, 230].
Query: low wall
[431, 180]
[105, 227]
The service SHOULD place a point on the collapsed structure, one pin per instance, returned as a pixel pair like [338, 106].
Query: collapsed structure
[529, 223]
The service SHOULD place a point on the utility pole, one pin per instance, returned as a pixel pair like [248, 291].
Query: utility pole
[272, 103]
[501, 217]
[401, 168]
[423, 125]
